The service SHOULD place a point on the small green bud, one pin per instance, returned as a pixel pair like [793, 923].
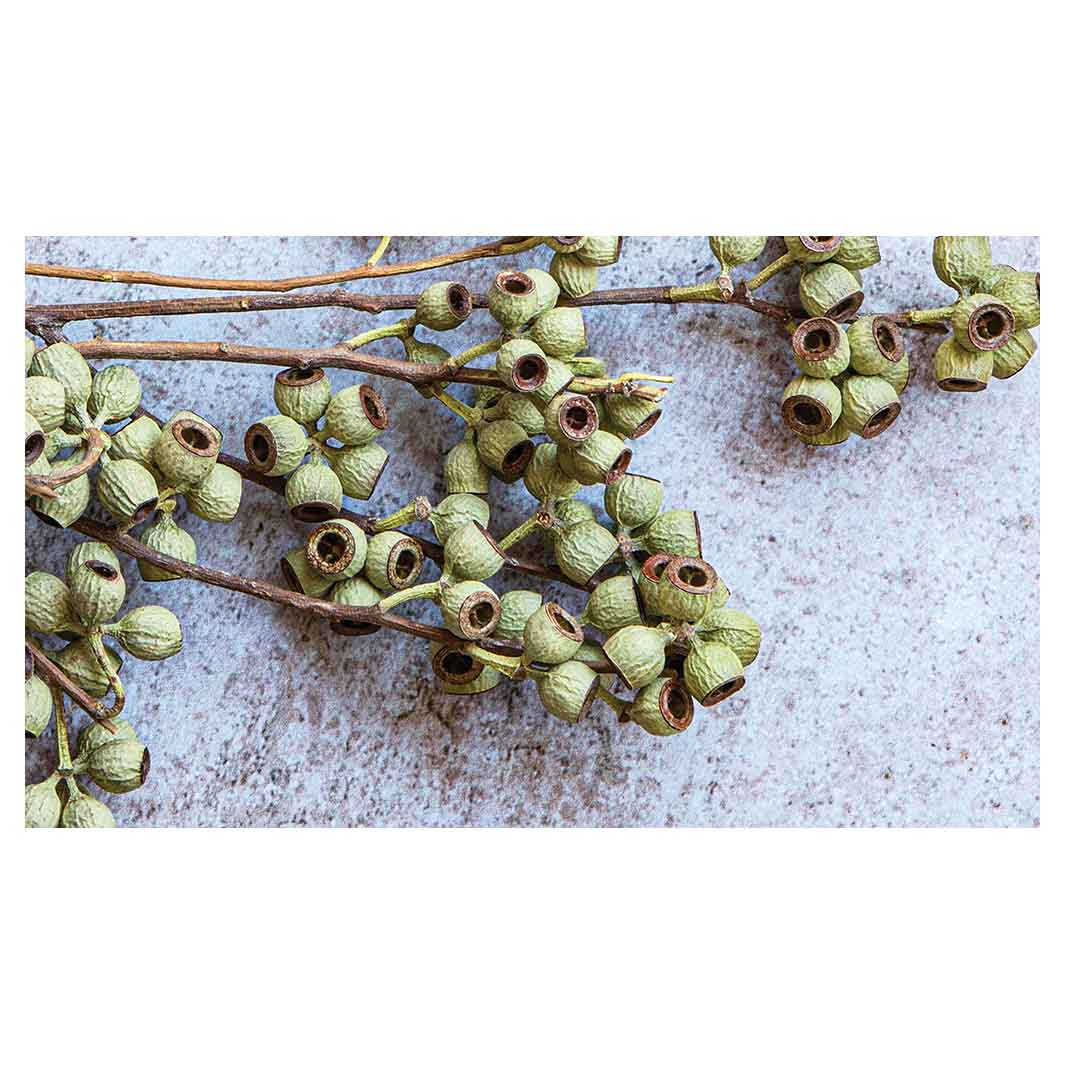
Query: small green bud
[49, 606]
[115, 394]
[633, 500]
[97, 590]
[35, 440]
[811, 405]
[165, 536]
[674, 532]
[870, 405]
[356, 415]
[551, 635]
[734, 251]
[830, 291]
[601, 459]
[544, 478]
[981, 323]
[601, 251]
[547, 289]
[64, 363]
[301, 576]
[470, 609]
[71, 499]
[560, 332]
[275, 445]
[43, 804]
[958, 370]
[136, 441]
[570, 419]
[79, 663]
[459, 673]
[38, 705]
[821, 348]
[632, 415]
[355, 591]
[568, 690]
[314, 493]
[150, 633]
[119, 766]
[127, 491]
[464, 471]
[512, 299]
[734, 629]
[94, 735]
[359, 468]
[663, 707]
[472, 554]
[455, 511]
[515, 608]
[1019, 291]
[575, 277]
[959, 261]
[583, 549]
[1013, 356]
[565, 245]
[857, 253]
[685, 589]
[638, 653]
[83, 811]
[443, 306]
[46, 401]
[217, 497]
[504, 446]
[185, 452]
[302, 393]
[393, 561]
[337, 549]
[712, 672]
[613, 605]
[876, 344]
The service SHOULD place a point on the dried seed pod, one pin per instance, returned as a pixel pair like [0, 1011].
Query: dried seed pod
[958, 370]
[512, 299]
[472, 554]
[547, 289]
[186, 451]
[1019, 291]
[118, 767]
[685, 588]
[515, 608]
[314, 493]
[870, 405]
[1013, 356]
[583, 549]
[355, 591]
[217, 497]
[127, 491]
[674, 532]
[560, 332]
[638, 653]
[459, 673]
[443, 306]
[115, 394]
[356, 415]
[165, 536]
[602, 459]
[302, 393]
[337, 549]
[812, 249]
[574, 276]
[46, 401]
[712, 672]
[393, 561]
[811, 405]
[821, 348]
[83, 811]
[463, 469]
[275, 445]
[663, 707]
[570, 419]
[150, 633]
[455, 511]
[876, 343]
[44, 807]
[633, 500]
[97, 590]
[79, 663]
[568, 690]
[857, 253]
[94, 735]
[35, 440]
[735, 251]
[981, 323]
[632, 415]
[600, 251]
[64, 363]
[830, 291]
[521, 364]
[71, 498]
[302, 577]
[734, 629]
[959, 261]
[565, 245]
[504, 446]
[522, 410]
[650, 577]
[897, 374]
[49, 606]
[470, 609]
[136, 441]
[359, 468]
[38, 706]
[551, 635]
[571, 512]
[613, 604]
[89, 551]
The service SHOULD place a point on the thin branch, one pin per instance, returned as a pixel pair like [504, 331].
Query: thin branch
[54, 675]
[46, 485]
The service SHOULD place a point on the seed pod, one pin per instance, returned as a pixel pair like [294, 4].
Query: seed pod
[472, 554]
[83, 811]
[165, 536]
[79, 663]
[613, 604]
[633, 500]
[443, 306]
[97, 590]
[637, 652]
[302, 393]
[40, 467]
[569, 512]
[459, 674]
[470, 609]
[359, 468]
[812, 249]
[355, 591]
[136, 441]
[71, 498]
[674, 532]
[455, 511]
[811, 405]
[1013, 356]
[602, 459]
[588, 366]
[600, 251]
[522, 410]
[275, 445]
[512, 299]
[685, 588]
[38, 706]
[821, 348]
[870, 405]
[301, 576]
[31, 350]
[217, 497]
[90, 551]
[959, 261]
[150, 633]
[337, 549]
[857, 253]
[570, 419]
[521, 364]
[734, 251]
[981, 323]
[186, 451]
[560, 332]
[830, 291]
[734, 629]
[49, 606]
[119, 766]
[314, 493]
[663, 707]
[356, 415]
[958, 370]
[897, 374]
[63, 363]
[35, 440]
[632, 415]
[650, 577]
[546, 289]
[94, 735]
[46, 401]
[575, 277]
[568, 690]
[127, 491]
[503, 446]
[583, 549]
[544, 478]
[551, 635]
[43, 805]
[115, 394]
[464, 471]
[393, 561]
[515, 608]
[712, 672]
[876, 343]
[1019, 291]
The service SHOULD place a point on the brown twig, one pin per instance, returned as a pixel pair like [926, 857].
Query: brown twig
[46, 485]
[54, 675]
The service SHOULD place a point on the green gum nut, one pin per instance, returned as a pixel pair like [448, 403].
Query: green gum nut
[560, 332]
[547, 289]
[150, 633]
[515, 609]
[633, 500]
[359, 592]
[821, 348]
[521, 409]
[94, 735]
[734, 251]
[136, 441]
[981, 323]
[71, 498]
[811, 405]
[211, 430]
[674, 532]
[663, 707]
[830, 291]
[337, 549]
[565, 245]
[521, 364]
[505, 447]
[812, 249]
[685, 589]
[512, 299]
[40, 467]
[1019, 291]
[959, 261]
[734, 629]
[613, 604]
[356, 415]
[857, 253]
[464, 471]
[49, 606]
[64, 363]
[393, 561]
[217, 497]
[600, 251]
[897, 374]
[551, 635]
[119, 767]
[275, 445]
[544, 478]
[186, 451]
[568, 690]
[583, 549]
[870, 405]
[115, 394]
[89, 551]
[838, 434]
[83, 811]
[632, 415]
[443, 306]
[127, 491]
[876, 344]
[38, 705]
[31, 350]
[455, 511]
[650, 577]
[459, 673]
[36, 441]
[575, 277]
[470, 609]
[43, 804]
[97, 590]
[302, 393]
[165, 536]
[46, 401]
[472, 554]
[602, 459]
[958, 370]
[638, 653]
[569, 512]
[79, 663]
[301, 576]
[570, 419]
[1013, 356]
[712, 672]
[314, 493]
[359, 468]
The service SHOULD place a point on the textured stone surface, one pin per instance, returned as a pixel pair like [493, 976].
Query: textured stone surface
[896, 581]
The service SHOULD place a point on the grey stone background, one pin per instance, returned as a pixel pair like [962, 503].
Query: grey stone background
[896, 581]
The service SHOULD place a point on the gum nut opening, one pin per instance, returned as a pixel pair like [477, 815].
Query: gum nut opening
[373, 407]
[145, 510]
[882, 420]
[577, 418]
[479, 614]
[529, 372]
[290, 576]
[888, 338]
[454, 666]
[314, 510]
[692, 575]
[847, 307]
[962, 384]
[589, 699]
[330, 549]
[517, 458]
[514, 283]
[260, 446]
[300, 376]
[675, 661]
[35, 444]
[676, 705]
[816, 339]
[820, 244]
[646, 425]
[723, 691]
[990, 326]
[103, 570]
[568, 242]
[565, 623]
[460, 301]
[195, 437]
[806, 415]
[347, 627]
[617, 471]
[655, 566]
[404, 564]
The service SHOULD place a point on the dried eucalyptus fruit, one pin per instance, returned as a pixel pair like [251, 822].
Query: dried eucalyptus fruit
[568, 690]
[71, 499]
[393, 561]
[127, 491]
[186, 451]
[314, 493]
[515, 608]
[599, 251]
[875, 344]
[560, 332]
[470, 608]
[117, 767]
[38, 705]
[455, 511]
[83, 811]
[712, 672]
[472, 554]
[631, 415]
[583, 549]
[302, 577]
[662, 707]
[358, 468]
[958, 370]
[547, 289]
[602, 459]
[136, 441]
[735, 251]
[613, 605]
[981, 323]
[574, 276]
[821, 348]
[551, 635]
[165, 536]
[459, 673]
[638, 653]
[1019, 291]
[960, 261]
[857, 253]
[504, 446]
[302, 393]
[1013, 356]
[570, 419]
[275, 445]
[337, 549]
[830, 291]
[115, 394]
[674, 532]
[356, 415]
[443, 306]
[543, 477]
[633, 500]
[358, 592]
[79, 663]
[512, 299]
[49, 606]
[812, 249]
[685, 588]
[811, 405]
[217, 497]
[64, 363]
[97, 590]
[44, 807]
[150, 633]
[46, 401]
[734, 629]
[35, 440]
[463, 469]
[870, 405]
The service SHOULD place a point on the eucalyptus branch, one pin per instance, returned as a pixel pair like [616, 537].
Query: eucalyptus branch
[54, 675]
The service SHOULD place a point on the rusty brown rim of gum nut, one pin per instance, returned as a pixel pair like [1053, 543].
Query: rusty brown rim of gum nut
[514, 283]
[675, 705]
[330, 548]
[806, 415]
[260, 446]
[723, 691]
[577, 418]
[847, 307]
[473, 621]
[454, 666]
[460, 301]
[691, 575]
[405, 562]
[300, 376]
[990, 326]
[529, 372]
[195, 437]
[820, 244]
[373, 406]
[816, 339]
